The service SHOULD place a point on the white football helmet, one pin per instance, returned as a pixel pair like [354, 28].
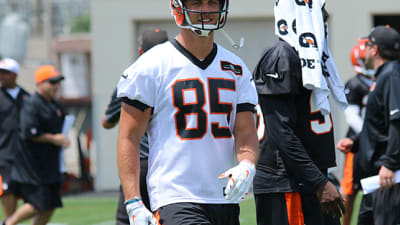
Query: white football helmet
[182, 19]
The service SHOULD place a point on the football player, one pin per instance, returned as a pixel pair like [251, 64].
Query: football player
[357, 90]
[296, 138]
[196, 100]
[111, 116]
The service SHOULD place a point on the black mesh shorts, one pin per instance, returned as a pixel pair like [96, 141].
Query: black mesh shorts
[200, 214]
[42, 197]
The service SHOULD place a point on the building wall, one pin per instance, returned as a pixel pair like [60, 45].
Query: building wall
[117, 24]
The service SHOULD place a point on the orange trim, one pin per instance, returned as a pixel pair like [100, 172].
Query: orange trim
[158, 217]
[294, 208]
[1, 185]
[347, 180]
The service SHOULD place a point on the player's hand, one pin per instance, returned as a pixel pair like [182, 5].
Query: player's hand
[139, 214]
[386, 177]
[331, 200]
[345, 145]
[60, 140]
[241, 177]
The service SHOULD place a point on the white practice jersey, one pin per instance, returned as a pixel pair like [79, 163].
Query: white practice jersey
[191, 129]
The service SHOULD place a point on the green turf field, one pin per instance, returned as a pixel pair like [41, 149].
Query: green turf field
[99, 209]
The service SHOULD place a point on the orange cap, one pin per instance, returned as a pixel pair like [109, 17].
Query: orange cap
[47, 72]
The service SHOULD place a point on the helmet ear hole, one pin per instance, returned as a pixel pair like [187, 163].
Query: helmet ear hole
[178, 12]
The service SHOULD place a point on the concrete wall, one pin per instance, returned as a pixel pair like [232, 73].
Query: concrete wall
[116, 25]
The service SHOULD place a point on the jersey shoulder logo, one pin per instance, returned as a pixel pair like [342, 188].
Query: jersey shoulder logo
[273, 75]
[228, 66]
[394, 111]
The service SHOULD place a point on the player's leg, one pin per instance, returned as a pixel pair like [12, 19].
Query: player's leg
[347, 186]
[182, 214]
[143, 184]
[7, 193]
[312, 211]
[9, 204]
[121, 215]
[271, 209]
[386, 205]
[24, 212]
[42, 217]
[222, 214]
[365, 216]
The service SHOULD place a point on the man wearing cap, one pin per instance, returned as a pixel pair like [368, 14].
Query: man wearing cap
[379, 140]
[12, 96]
[110, 119]
[36, 168]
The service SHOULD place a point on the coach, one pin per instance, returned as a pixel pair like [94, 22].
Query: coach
[12, 97]
[36, 169]
[379, 140]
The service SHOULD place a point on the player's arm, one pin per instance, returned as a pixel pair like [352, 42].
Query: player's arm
[246, 141]
[132, 127]
[111, 116]
[247, 150]
[391, 158]
[281, 120]
[280, 117]
[55, 139]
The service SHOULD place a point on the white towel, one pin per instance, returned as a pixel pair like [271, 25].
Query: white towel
[300, 23]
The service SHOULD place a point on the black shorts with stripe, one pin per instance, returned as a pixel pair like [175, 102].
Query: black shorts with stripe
[199, 214]
[291, 209]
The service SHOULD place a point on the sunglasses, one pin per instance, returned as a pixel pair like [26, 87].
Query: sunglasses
[53, 82]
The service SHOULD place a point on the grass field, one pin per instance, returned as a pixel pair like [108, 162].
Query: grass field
[99, 209]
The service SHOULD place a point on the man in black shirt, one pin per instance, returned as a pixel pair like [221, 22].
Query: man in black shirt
[379, 141]
[12, 96]
[110, 119]
[356, 89]
[296, 139]
[36, 168]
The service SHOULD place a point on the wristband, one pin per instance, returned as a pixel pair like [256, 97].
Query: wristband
[134, 199]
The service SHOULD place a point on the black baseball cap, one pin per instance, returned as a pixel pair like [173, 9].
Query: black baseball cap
[151, 37]
[385, 37]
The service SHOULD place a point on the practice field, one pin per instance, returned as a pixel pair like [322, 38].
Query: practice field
[99, 209]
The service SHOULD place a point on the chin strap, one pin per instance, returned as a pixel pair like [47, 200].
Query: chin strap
[231, 41]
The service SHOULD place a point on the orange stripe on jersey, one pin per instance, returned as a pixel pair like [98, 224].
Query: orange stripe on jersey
[294, 208]
[1, 185]
[347, 180]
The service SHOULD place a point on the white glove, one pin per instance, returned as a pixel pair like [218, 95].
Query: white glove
[139, 214]
[241, 177]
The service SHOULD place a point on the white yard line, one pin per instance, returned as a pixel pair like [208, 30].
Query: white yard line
[110, 222]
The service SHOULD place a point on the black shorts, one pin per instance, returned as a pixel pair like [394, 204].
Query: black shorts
[186, 213]
[121, 215]
[279, 208]
[381, 207]
[42, 197]
[6, 184]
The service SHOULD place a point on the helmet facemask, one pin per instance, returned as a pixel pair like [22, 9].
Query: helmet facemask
[182, 19]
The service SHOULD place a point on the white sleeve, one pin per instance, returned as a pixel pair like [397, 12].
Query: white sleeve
[138, 83]
[247, 92]
[353, 118]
